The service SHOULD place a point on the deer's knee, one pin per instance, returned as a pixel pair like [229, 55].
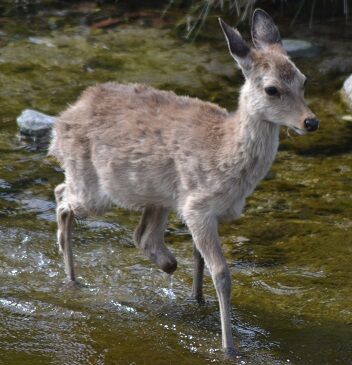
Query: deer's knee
[59, 192]
[64, 211]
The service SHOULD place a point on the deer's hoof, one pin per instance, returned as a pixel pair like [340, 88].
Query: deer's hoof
[161, 257]
[231, 354]
[169, 265]
[73, 284]
[197, 299]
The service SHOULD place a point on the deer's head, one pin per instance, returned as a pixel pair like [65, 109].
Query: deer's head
[274, 87]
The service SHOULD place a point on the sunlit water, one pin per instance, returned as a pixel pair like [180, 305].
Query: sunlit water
[289, 254]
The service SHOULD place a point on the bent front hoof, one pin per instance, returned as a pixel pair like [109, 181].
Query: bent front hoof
[167, 264]
[164, 260]
[161, 257]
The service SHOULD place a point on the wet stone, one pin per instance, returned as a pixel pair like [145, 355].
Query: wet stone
[41, 41]
[35, 129]
[34, 123]
[347, 118]
[300, 48]
[347, 90]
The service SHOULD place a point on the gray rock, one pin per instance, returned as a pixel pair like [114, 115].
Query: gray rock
[347, 90]
[33, 123]
[347, 118]
[300, 48]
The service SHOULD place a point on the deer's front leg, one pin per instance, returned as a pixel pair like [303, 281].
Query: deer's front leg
[204, 231]
[149, 236]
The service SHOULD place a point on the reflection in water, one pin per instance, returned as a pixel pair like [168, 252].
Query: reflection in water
[289, 254]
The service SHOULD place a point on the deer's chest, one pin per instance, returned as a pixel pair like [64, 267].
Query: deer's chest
[247, 172]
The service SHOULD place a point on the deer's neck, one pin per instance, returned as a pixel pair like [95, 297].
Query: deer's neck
[255, 135]
[251, 144]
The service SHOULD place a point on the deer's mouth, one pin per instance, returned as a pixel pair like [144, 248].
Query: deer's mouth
[299, 131]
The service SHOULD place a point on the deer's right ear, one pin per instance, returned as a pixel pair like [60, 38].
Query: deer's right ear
[239, 49]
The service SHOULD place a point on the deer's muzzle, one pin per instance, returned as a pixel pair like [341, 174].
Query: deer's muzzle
[311, 124]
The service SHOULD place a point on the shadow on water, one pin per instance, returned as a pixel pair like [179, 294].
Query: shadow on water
[289, 254]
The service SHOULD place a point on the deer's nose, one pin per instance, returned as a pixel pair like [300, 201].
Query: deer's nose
[311, 124]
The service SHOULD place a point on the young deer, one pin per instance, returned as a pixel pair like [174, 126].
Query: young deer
[141, 148]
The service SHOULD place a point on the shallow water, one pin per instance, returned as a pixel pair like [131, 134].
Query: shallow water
[289, 254]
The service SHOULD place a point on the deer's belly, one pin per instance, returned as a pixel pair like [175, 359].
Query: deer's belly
[136, 187]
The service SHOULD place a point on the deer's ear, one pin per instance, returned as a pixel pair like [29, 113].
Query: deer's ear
[239, 49]
[264, 31]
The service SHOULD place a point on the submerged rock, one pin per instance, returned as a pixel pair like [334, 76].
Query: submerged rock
[34, 123]
[347, 90]
[300, 48]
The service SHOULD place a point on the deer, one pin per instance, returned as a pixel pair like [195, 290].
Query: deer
[143, 149]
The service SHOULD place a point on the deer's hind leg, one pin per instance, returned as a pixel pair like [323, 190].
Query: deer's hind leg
[65, 220]
[198, 273]
[149, 236]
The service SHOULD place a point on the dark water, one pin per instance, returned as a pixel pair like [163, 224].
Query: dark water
[289, 254]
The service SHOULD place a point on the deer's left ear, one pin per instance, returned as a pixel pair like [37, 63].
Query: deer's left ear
[264, 31]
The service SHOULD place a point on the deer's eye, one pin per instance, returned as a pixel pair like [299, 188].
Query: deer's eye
[272, 91]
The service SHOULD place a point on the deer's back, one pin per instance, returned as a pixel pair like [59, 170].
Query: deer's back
[138, 145]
